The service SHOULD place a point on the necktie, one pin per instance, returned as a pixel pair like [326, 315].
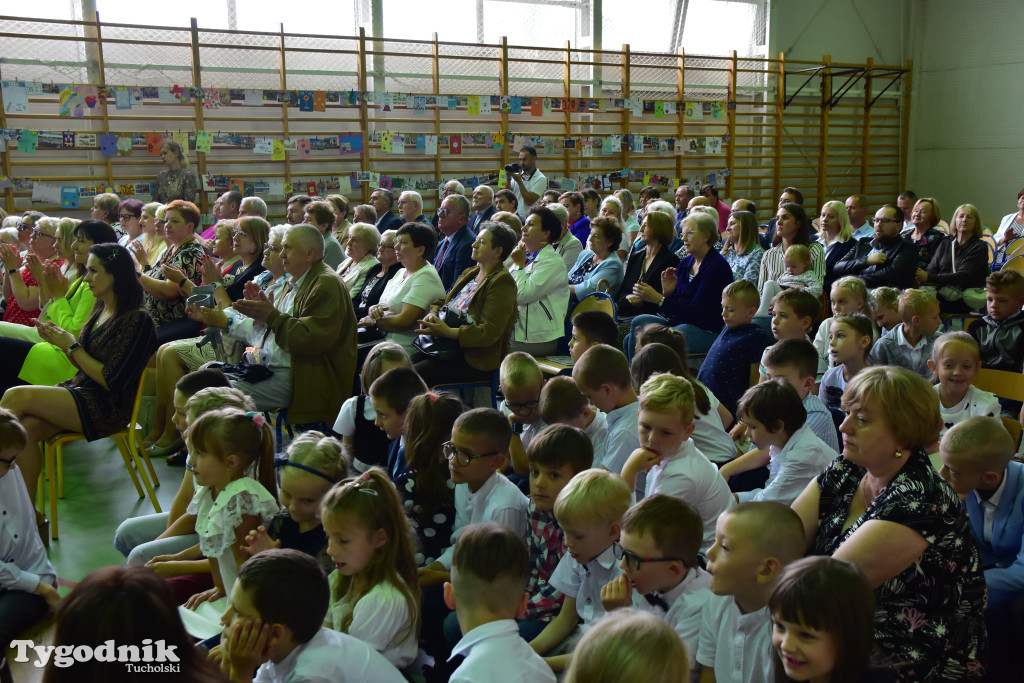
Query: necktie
[441, 251]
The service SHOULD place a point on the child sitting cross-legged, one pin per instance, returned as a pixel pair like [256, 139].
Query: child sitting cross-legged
[487, 591]
[909, 344]
[775, 419]
[753, 543]
[589, 510]
[374, 595]
[274, 622]
[661, 536]
[562, 402]
[676, 466]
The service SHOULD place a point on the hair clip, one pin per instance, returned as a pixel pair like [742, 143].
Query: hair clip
[365, 476]
[432, 396]
[258, 419]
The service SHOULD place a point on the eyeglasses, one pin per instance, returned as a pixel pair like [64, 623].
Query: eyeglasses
[634, 561]
[239, 233]
[385, 246]
[443, 212]
[24, 226]
[517, 407]
[461, 457]
[877, 220]
[126, 217]
[36, 234]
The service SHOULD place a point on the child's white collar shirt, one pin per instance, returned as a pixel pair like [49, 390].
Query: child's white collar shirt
[597, 432]
[495, 653]
[622, 436]
[330, 656]
[792, 467]
[584, 581]
[497, 500]
[689, 475]
[738, 646]
[685, 607]
[25, 563]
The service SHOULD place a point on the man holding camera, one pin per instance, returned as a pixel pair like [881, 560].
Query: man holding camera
[525, 181]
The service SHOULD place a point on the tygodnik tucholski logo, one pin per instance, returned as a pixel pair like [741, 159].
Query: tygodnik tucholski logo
[150, 657]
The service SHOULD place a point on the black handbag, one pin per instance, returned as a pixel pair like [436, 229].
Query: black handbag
[441, 348]
[244, 372]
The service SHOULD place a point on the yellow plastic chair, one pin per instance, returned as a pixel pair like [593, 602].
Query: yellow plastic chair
[129, 443]
[598, 301]
[1004, 384]
[1015, 248]
[1016, 263]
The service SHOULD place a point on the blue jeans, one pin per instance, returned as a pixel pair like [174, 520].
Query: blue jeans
[698, 340]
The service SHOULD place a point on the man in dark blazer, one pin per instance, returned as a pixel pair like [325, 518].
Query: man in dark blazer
[483, 207]
[382, 201]
[455, 253]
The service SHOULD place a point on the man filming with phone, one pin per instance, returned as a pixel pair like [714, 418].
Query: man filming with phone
[525, 181]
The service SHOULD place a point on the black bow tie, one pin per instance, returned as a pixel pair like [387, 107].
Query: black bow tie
[656, 600]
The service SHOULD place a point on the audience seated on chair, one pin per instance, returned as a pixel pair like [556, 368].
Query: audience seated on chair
[1000, 333]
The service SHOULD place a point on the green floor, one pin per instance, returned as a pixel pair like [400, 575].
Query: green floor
[98, 495]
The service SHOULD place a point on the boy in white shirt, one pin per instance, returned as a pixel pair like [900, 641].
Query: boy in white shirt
[660, 539]
[776, 423]
[490, 567]
[520, 380]
[274, 621]
[675, 466]
[753, 542]
[589, 509]
[562, 402]
[602, 374]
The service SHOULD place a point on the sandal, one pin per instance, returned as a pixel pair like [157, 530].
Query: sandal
[179, 458]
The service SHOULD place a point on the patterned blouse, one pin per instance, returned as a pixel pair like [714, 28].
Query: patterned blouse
[926, 246]
[188, 257]
[930, 618]
[177, 184]
[434, 536]
[745, 266]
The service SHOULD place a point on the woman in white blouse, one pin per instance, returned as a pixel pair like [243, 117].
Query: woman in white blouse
[360, 249]
[542, 283]
[410, 292]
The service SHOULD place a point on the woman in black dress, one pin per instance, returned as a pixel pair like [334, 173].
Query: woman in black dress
[111, 352]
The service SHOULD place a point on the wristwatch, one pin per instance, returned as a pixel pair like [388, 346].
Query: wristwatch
[518, 428]
[74, 347]
[12, 271]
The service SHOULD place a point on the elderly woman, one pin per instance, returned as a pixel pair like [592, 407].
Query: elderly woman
[883, 507]
[106, 207]
[835, 236]
[361, 241]
[176, 181]
[792, 227]
[691, 294]
[542, 293]
[411, 291]
[486, 295]
[110, 351]
[377, 277]
[27, 358]
[741, 247]
[646, 265]
[960, 264]
[923, 234]
[182, 260]
[598, 262]
[176, 358]
[341, 221]
[1012, 225]
[152, 237]
[21, 287]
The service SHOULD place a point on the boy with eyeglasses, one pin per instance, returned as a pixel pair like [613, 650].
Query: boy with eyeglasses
[520, 380]
[661, 536]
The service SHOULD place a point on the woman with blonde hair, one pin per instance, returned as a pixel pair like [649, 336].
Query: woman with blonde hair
[176, 181]
[960, 264]
[835, 236]
[922, 233]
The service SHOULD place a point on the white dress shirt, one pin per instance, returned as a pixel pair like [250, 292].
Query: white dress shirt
[584, 582]
[738, 646]
[495, 653]
[327, 657]
[685, 608]
[498, 500]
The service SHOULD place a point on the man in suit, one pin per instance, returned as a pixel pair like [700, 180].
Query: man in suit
[382, 200]
[449, 188]
[316, 328]
[410, 208]
[483, 207]
[455, 253]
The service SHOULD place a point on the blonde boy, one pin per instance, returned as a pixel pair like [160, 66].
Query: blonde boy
[521, 379]
[589, 510]
[753, 542]
[661, 536]
[676, 466]
[487, 591]
[602, 374]
[562, 402]
[887, 307]
[909, 344]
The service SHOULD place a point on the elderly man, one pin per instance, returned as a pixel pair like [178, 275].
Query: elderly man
[449, 188]
[410, 208]
[483, 206]
[529, 185]
[683, 196]
[382, 200]
[884, 260]
[320, 214]
[857, 210]
[455, 253]
[568, 247]
[310, 329]
[228, 206]
[252, 206]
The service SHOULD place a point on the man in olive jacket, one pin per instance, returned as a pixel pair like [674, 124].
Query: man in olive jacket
[320, 334]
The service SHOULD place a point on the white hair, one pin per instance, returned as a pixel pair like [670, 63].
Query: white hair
[414, 196]
[259, 207]
[661, 206]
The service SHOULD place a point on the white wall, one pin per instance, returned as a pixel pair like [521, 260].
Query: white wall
[967, 141]
[848, 30]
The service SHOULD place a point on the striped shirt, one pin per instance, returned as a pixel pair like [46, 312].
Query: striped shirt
[773, 263]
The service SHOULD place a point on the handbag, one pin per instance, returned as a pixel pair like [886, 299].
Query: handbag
[438, 347]
[244, 372]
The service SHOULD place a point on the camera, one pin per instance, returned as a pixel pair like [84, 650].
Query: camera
[514, 168]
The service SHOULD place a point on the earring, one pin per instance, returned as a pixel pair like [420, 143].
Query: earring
[899, 454]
